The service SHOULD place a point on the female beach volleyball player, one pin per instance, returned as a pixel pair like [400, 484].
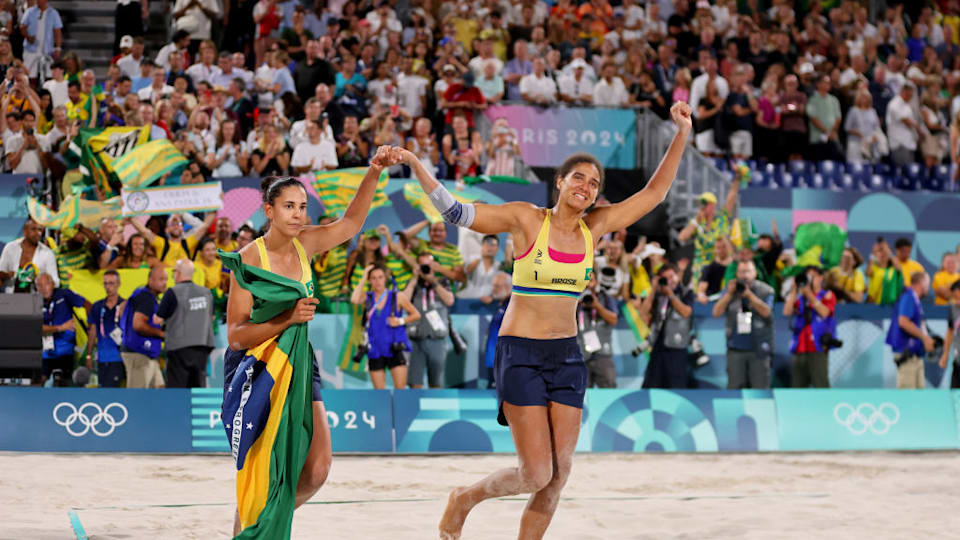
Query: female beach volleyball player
[540, 373]
[272, 382]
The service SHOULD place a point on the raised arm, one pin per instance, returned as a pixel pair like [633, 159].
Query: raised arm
[200, 231]
[626, 212]
[147, 233]
[320, 238]
[483, 218]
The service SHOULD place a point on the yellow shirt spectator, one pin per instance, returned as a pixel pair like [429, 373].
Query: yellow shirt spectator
[943, 280]
[174, 249]
[908, 268]
[847, 282]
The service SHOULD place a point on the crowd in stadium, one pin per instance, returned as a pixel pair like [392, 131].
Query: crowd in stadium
[272, 87]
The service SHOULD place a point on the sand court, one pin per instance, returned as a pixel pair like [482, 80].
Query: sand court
[609, 496]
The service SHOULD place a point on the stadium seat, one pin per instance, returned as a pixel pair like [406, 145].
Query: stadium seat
[721, 164]
[846, 182]
[933, 183]
[829, 169]
[774, 172]
[906, 183]
[760, 179]
[802, 170]
[915, 171]
[859, 170]
[791, 181]
[818, 181]
[876, 182]
[883, 169]
[941, 172]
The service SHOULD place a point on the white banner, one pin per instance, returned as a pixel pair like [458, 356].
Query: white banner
[168, 199]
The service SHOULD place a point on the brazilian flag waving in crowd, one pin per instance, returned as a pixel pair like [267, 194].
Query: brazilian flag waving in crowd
[267, 409]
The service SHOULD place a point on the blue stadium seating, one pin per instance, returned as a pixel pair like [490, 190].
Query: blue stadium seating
[846, 182]
[844, 176]
[876, 182]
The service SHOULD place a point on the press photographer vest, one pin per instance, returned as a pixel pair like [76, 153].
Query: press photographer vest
[674, 327]
[762, 329]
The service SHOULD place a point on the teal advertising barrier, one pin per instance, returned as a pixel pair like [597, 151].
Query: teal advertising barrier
[811, 420]
[465, 421]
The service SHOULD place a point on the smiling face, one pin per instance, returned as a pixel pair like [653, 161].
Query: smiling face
[438, 233]
[580, 187]
[288, 213]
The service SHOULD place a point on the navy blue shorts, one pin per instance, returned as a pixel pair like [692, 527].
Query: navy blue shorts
[110, 374]
[232, 358]
[535, 371]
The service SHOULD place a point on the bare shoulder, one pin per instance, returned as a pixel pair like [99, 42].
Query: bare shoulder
[250, 255]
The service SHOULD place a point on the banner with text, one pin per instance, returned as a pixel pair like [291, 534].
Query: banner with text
[166, 199]
[547, 136]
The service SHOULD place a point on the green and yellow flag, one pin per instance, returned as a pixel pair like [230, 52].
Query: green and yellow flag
[146, 163]
[74, 211]
[267, 408]
[337, 188]
[94, 150]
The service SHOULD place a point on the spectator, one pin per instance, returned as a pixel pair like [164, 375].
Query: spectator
[865, 138]
[886, 276]
[708, 117]
[177, 47]
[195, 17]
[934, 139]
[945, 278]
[59, 329]
[597, 316]
[747, 306]
[576, 88]
[384, 320]
[611, 269]
[229, 157]
[327, 105]
[367, 253]
[348, 80]
[707, 226]
[205, 70]
[646, 95]
[952, 336]
[517, 68]
[490, 84]
[186, 311]
[908, 266]
[428, 335]
[740, 108]
[903, 126]
[698, 88]
[793, 112]
[463, 98]
[271, 156]
[142, 335]
[42, 32]
[485, 56]
[411, 91]
[484, 272]
[318, 153]
[462, 149]
[447, 260]
[711, 280]
[503, 151]
[129, 63]
[667, 313]
[610, 90]
[767, 121]
[173, 245]
[537, 88]
[57, 85]
[73, 251]
[423, 144]
[681, 86]
[823, 110]
[239, 106]
[208, 264]
[908, 336]
[846, 280]
[812, 308]
[157, 89]
[25, 153]
[136, 254]
[352, 147]
[104, 333]
[108, 243]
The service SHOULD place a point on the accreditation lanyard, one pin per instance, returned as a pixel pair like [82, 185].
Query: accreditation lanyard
[375, 304]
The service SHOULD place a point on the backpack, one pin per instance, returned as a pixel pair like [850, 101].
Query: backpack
[166, 248]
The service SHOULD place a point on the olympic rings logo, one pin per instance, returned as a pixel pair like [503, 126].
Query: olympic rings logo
[866, 417]
[91, 417]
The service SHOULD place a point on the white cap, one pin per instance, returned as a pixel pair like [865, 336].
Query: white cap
[651, 249]
[578, 63]
[126, 42]
[805, 68]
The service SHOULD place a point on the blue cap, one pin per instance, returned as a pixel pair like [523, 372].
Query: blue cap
[446, 40]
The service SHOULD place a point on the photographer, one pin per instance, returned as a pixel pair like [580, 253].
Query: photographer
[428, 334]
[668, 314]
[814, 329]
[596, 318]
[747, 305]
[386, 344]
[908, 336]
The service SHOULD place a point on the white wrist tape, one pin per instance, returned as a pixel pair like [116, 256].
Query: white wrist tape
[452, 210]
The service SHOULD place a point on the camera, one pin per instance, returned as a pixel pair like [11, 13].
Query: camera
[362, 348]
[587, 300]
[425, 269]
[608, 271]
[829, 341]
[700, 358]
[324, 116]
[662, 282]
[397, 347]
[801, 280]
[741, 286]
[28, 131]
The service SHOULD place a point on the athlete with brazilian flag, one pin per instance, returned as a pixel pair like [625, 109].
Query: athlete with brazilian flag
[272, 410]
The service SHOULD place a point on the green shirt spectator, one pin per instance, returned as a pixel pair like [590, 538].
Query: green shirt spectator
[823, 110]
[708, 225]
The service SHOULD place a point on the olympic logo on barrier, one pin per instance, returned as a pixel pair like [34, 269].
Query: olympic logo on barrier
[90, 422]
[865, 416]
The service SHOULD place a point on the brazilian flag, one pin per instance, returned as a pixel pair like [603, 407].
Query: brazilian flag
[267, 409]
[94, 150]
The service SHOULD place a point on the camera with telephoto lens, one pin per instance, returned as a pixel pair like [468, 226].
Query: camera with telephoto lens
[587, 299]
[362, 348]
[662, 282]
[801, 280]
[425, 269]
[397, 347]
[829, 341]
[741, 286]
[700, 358]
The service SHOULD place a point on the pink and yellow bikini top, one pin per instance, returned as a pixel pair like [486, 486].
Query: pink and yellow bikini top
[542, 271]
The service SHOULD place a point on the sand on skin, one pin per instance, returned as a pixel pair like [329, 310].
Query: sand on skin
[611, 496]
